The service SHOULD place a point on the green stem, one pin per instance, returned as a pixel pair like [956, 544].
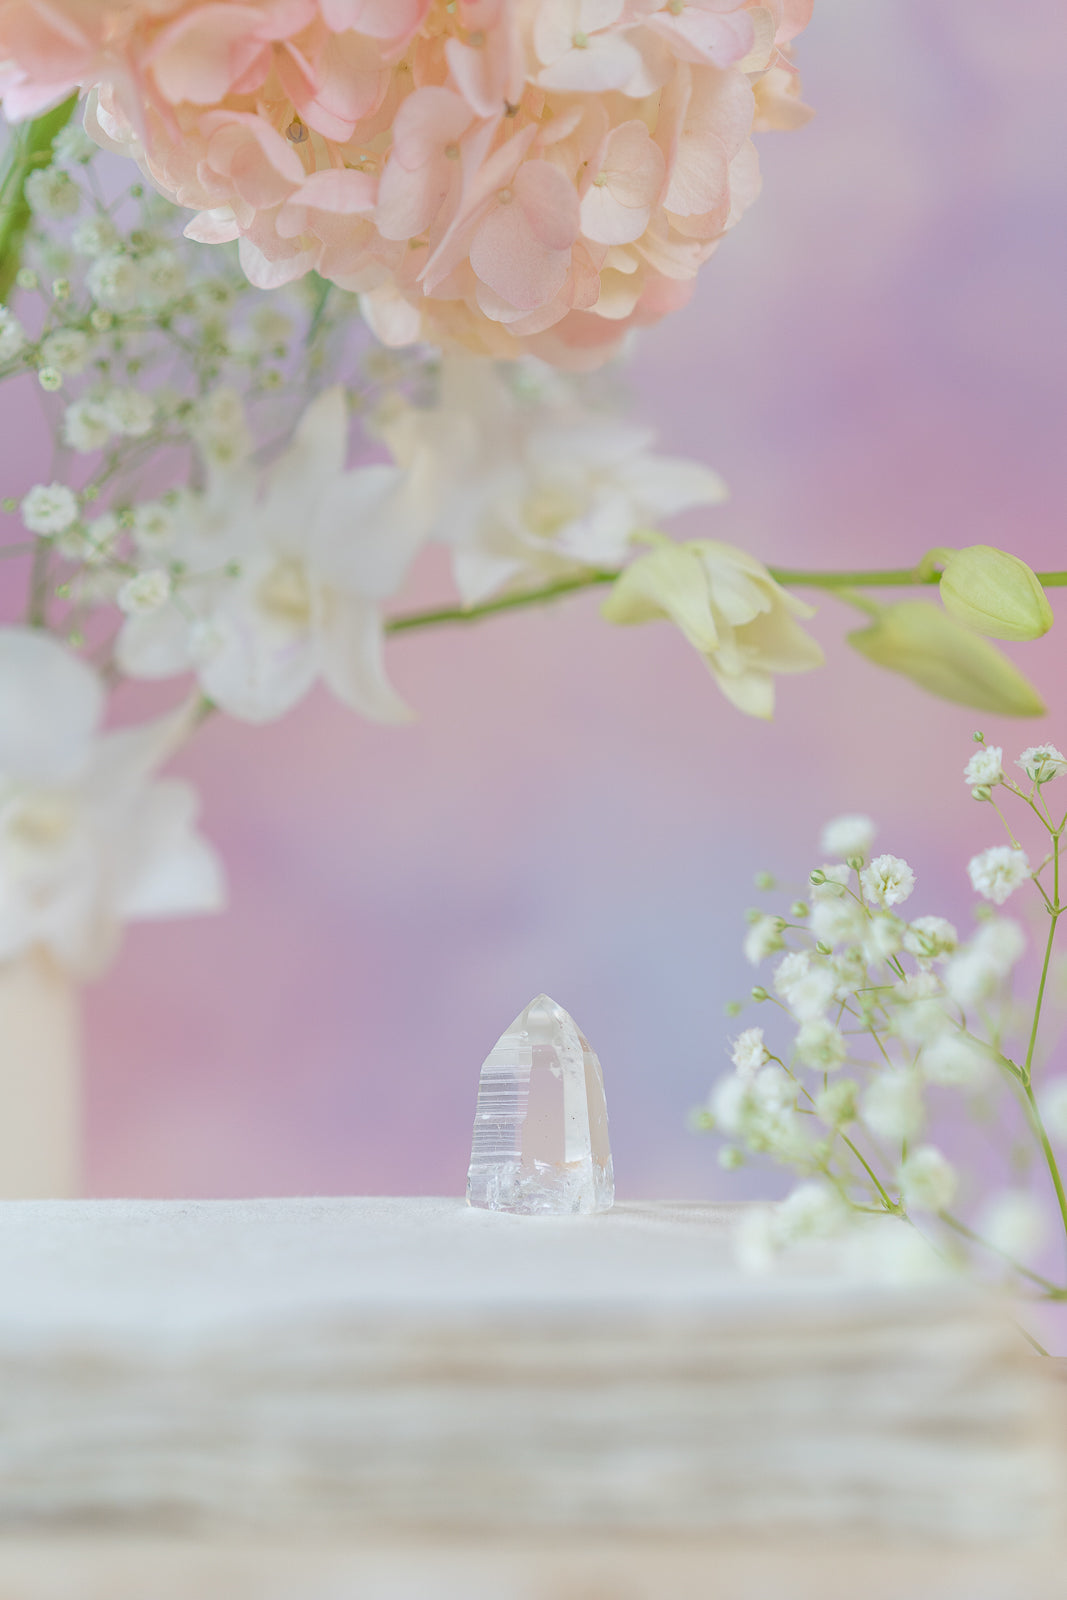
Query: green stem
[976, 1238]
[30, 149]
[507, 602]
[897, 577]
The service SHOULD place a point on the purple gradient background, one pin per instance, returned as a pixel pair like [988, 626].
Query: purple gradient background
[876, 362]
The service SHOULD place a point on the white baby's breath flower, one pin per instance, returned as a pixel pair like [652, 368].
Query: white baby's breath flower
[749, 1052]
[102, 535]
[893, 1105]
[73, 146]
[1014, 1223]
[790, 970]
[850, 973]
[986, 767]
[918, 1013]
[1042, 763]
[49, 509]
[86, 426]
[927, 1180]
[839, 922]
[953, 1061]
[130, 412]
[837, 1104]
[1052, 1103]
[67, 350]
[97, 236]
[882, 938]
[1001, 942]
[998, 872]
[12, 335]
[930, 938]
[145, 593]
[220, 428]
[810, 995]
[51, 193]
[830, 882]
[888, 880]
[813, 1211]
[763, 938]
[162, 278]
[114, 281]
[848, 837]
[154, 525]
[820, 1045]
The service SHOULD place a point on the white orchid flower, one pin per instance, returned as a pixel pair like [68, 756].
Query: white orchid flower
[283, 580]
[89, 838]
[527, 487]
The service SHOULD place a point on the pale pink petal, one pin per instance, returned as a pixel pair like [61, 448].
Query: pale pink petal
[203, 53]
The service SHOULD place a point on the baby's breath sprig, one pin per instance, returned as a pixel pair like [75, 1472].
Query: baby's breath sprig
[888, 1033]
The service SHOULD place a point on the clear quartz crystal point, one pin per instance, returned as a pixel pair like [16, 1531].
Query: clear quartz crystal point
[541, 1128]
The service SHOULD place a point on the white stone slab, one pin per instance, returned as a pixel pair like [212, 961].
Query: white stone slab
[411, 1368]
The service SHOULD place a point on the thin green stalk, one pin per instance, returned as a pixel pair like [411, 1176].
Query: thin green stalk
[30, 149]
[831, 582]
[1054, 917]
[507, 602]
[976, 1238]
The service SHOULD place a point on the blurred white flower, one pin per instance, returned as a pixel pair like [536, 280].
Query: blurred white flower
[998, 872]
[848, 837]
[986, 767]
[1042, 763]
[839, 922]
[67, 350]
[130, 412]
[820, 1045]
[12, 335]
[97, 236]
[1014, 1223]
[283, 580]
[927, 1180]
[51, 193]
[763, 938]
[86, 426]
[829, 882]
[114, 281]
[954, 1062]
[525, 485]
[89, 838]
[141, 595]
[893, 1105]
[930, 938]
[888, 880]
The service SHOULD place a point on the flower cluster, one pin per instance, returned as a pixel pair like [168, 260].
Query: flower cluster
[888, 1027]
[246, 550]
[534, 175]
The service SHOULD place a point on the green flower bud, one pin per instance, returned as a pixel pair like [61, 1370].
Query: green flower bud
[995, 593]
[764, 880]
[730, 1158]
[759, 993]
[981, 791]
[799, 910]
[938, 653]
[817, 877]
[732, 1008]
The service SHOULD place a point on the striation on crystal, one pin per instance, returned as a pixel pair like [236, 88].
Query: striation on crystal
[541, 1128]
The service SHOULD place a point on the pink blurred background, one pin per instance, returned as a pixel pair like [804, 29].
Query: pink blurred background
[876, 363]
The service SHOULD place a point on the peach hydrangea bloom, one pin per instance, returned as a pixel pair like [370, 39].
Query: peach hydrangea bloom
[512, 175]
